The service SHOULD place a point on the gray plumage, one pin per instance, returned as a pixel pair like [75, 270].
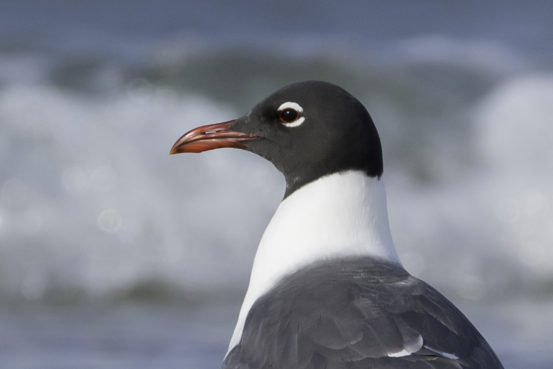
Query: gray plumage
[354, 313]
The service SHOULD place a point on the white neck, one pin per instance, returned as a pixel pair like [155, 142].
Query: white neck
[342, 214]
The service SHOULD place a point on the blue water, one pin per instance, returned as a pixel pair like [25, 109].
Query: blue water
[131, 336]
[174, 336]
[115, 255]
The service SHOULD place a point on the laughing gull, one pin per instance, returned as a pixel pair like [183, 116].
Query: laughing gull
[327, 289]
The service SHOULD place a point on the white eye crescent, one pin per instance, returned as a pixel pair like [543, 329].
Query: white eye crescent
[290, 114]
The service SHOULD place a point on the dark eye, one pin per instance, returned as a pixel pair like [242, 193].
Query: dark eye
[288, 115]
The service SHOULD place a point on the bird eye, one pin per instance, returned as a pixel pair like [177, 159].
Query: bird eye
[290, 114]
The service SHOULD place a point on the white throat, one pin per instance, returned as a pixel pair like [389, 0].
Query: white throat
[338, 215]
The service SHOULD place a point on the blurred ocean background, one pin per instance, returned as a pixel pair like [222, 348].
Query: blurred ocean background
[115, 255]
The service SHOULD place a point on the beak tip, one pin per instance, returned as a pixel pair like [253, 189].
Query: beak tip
[173, 150]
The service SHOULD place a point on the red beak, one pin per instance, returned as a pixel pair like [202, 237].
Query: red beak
[209, 137]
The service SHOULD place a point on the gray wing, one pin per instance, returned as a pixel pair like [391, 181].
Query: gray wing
[357, 314]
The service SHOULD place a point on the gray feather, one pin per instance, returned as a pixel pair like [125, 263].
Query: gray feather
[353, 313]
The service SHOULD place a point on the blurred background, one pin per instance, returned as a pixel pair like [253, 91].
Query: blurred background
[115, 255]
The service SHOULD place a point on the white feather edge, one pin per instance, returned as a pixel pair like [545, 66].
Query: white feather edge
[410, 348]
[418, 344]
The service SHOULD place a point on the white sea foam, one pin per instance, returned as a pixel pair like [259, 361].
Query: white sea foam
[516, 141]
[91, 200]
[493, 224]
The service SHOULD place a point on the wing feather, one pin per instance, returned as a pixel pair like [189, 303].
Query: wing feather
[358, 314]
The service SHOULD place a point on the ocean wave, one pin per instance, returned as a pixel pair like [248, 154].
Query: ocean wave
[90, 199]
[92, 206]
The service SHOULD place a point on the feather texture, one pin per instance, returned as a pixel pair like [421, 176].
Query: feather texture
[357, 313]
